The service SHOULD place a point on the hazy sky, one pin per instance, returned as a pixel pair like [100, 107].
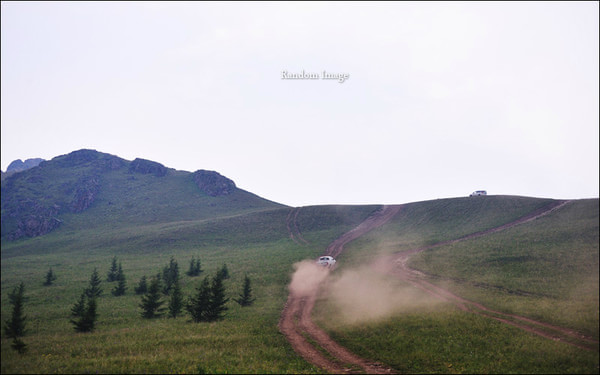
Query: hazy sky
[442, 98]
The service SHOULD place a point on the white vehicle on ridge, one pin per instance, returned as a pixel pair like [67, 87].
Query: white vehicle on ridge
[477, 193]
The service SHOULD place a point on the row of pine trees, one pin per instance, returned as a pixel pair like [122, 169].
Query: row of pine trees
[207, 304]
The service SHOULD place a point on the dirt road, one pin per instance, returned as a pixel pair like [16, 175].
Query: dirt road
[308, 340]
[397, 264]
[314, 345]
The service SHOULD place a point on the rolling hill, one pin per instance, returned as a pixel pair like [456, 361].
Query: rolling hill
[145, 214]
[114, 191]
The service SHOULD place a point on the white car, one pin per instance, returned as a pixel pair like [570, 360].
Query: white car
[326, 261]
[478, 193]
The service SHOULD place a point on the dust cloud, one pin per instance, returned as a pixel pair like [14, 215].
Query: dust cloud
[361, 294]
[307, 277]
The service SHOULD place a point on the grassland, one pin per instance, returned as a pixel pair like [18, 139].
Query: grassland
[546, 269]
[256, 244]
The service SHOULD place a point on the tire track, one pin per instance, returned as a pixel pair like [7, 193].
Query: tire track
[292, 226]
[417, 279]
[314, 345]
[311, 342]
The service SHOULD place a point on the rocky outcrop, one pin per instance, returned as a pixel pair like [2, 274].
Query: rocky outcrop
[86, 182]
[108, 163]
[33, 219]
[147, 167]
[212, 183]
[85, 193]
[19, 165]
[99, 161]
[78, 157]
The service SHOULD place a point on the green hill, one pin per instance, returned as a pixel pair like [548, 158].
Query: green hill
[88, 189]
[545, 269]
[144, 214]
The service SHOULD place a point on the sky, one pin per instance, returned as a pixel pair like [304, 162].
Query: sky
[439, 98]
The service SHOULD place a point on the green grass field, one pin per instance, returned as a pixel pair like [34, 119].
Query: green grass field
[553, 259]
[246, 341]
[545, 270]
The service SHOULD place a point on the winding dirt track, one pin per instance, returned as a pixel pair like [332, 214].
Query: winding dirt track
[314, 345]
[292, 226]
[308, 340]
[396, 264]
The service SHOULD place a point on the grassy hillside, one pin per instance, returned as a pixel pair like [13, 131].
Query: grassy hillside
[550, 262]
[256, 244]
[546, 270]
[87, 189]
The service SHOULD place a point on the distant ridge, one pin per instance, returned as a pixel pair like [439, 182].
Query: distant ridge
[86, 188]
[19, 165]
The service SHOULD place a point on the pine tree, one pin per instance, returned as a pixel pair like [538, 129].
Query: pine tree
[195, 267]
[84, 313]
[223, 273]
[112, 273]
[216, 307]
[170, 275]
[176, 301]
[94, 290]
[190, 271]
[78, 309]
[142, 287]
[50, 277]
[198, 305]
[15, 327]
[151, 301]
[246, 295]
[120, 288]
[91, 314]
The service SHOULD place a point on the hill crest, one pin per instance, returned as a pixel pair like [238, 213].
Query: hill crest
[39, 200]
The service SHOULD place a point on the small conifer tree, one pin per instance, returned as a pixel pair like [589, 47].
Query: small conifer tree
[112, 273]
[152, 301]
[190, 271]
[170, 275]
[121, 286]
[84, 313]
[223, 273]
[91, 314]
[15, 327]
[142, 287]
[195, 267]
[94, 289]
[78, 309]
[246, 295]
[216, 307]
[50, 277]
[176, 301]
[197, 305]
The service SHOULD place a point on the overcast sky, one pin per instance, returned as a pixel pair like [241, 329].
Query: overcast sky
[442, 98]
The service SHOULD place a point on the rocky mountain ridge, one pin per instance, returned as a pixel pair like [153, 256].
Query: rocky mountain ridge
[35, 201]
[19, 165]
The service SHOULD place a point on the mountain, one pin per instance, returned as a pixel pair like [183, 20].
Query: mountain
[87, 188]
[19, 165]
[484, 271]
